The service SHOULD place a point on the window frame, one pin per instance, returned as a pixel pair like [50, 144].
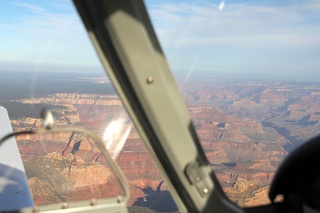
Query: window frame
[125, 41]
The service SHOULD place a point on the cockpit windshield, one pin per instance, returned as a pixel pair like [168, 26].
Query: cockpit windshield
[248, 72]
[47, 62]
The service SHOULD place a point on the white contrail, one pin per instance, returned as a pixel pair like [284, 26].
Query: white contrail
[221, 6]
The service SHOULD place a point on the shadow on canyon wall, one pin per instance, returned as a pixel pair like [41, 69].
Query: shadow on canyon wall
[157, 200]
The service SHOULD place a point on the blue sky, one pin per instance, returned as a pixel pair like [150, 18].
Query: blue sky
[236, 38]
[242, 38]
[44, 36]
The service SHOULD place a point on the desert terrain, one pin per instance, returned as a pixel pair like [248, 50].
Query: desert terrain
[246, 129]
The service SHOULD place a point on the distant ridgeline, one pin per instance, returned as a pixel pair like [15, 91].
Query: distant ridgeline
[29, 85]
[246, 127]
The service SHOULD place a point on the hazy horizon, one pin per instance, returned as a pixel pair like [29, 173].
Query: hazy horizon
[225, 39]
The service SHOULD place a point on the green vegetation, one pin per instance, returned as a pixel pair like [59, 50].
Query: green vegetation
[29, 85]
[17, 110]
[26, 85]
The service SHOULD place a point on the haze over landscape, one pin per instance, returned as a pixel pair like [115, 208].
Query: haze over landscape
[237, 39]
[248, 73]
[246, 128]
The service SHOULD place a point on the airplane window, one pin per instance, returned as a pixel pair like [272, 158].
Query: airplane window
[48, 62]
[248, 72]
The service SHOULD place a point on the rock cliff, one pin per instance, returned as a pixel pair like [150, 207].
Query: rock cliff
[245, 128]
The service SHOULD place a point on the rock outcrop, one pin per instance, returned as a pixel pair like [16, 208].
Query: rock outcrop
[245, 128]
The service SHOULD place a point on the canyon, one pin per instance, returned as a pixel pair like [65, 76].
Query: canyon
[246, 129]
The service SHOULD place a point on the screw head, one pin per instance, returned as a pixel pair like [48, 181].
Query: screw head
[93, 202]
[205, 190]
[65, 205]
[35, 209]
[119, 199]
[150, 80]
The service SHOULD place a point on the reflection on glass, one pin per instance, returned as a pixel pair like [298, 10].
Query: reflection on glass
[116, 135]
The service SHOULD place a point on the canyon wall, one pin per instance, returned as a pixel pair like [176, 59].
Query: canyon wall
[246, 130]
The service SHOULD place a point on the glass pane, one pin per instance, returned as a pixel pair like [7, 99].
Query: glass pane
[248, 73]
[47, 61]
